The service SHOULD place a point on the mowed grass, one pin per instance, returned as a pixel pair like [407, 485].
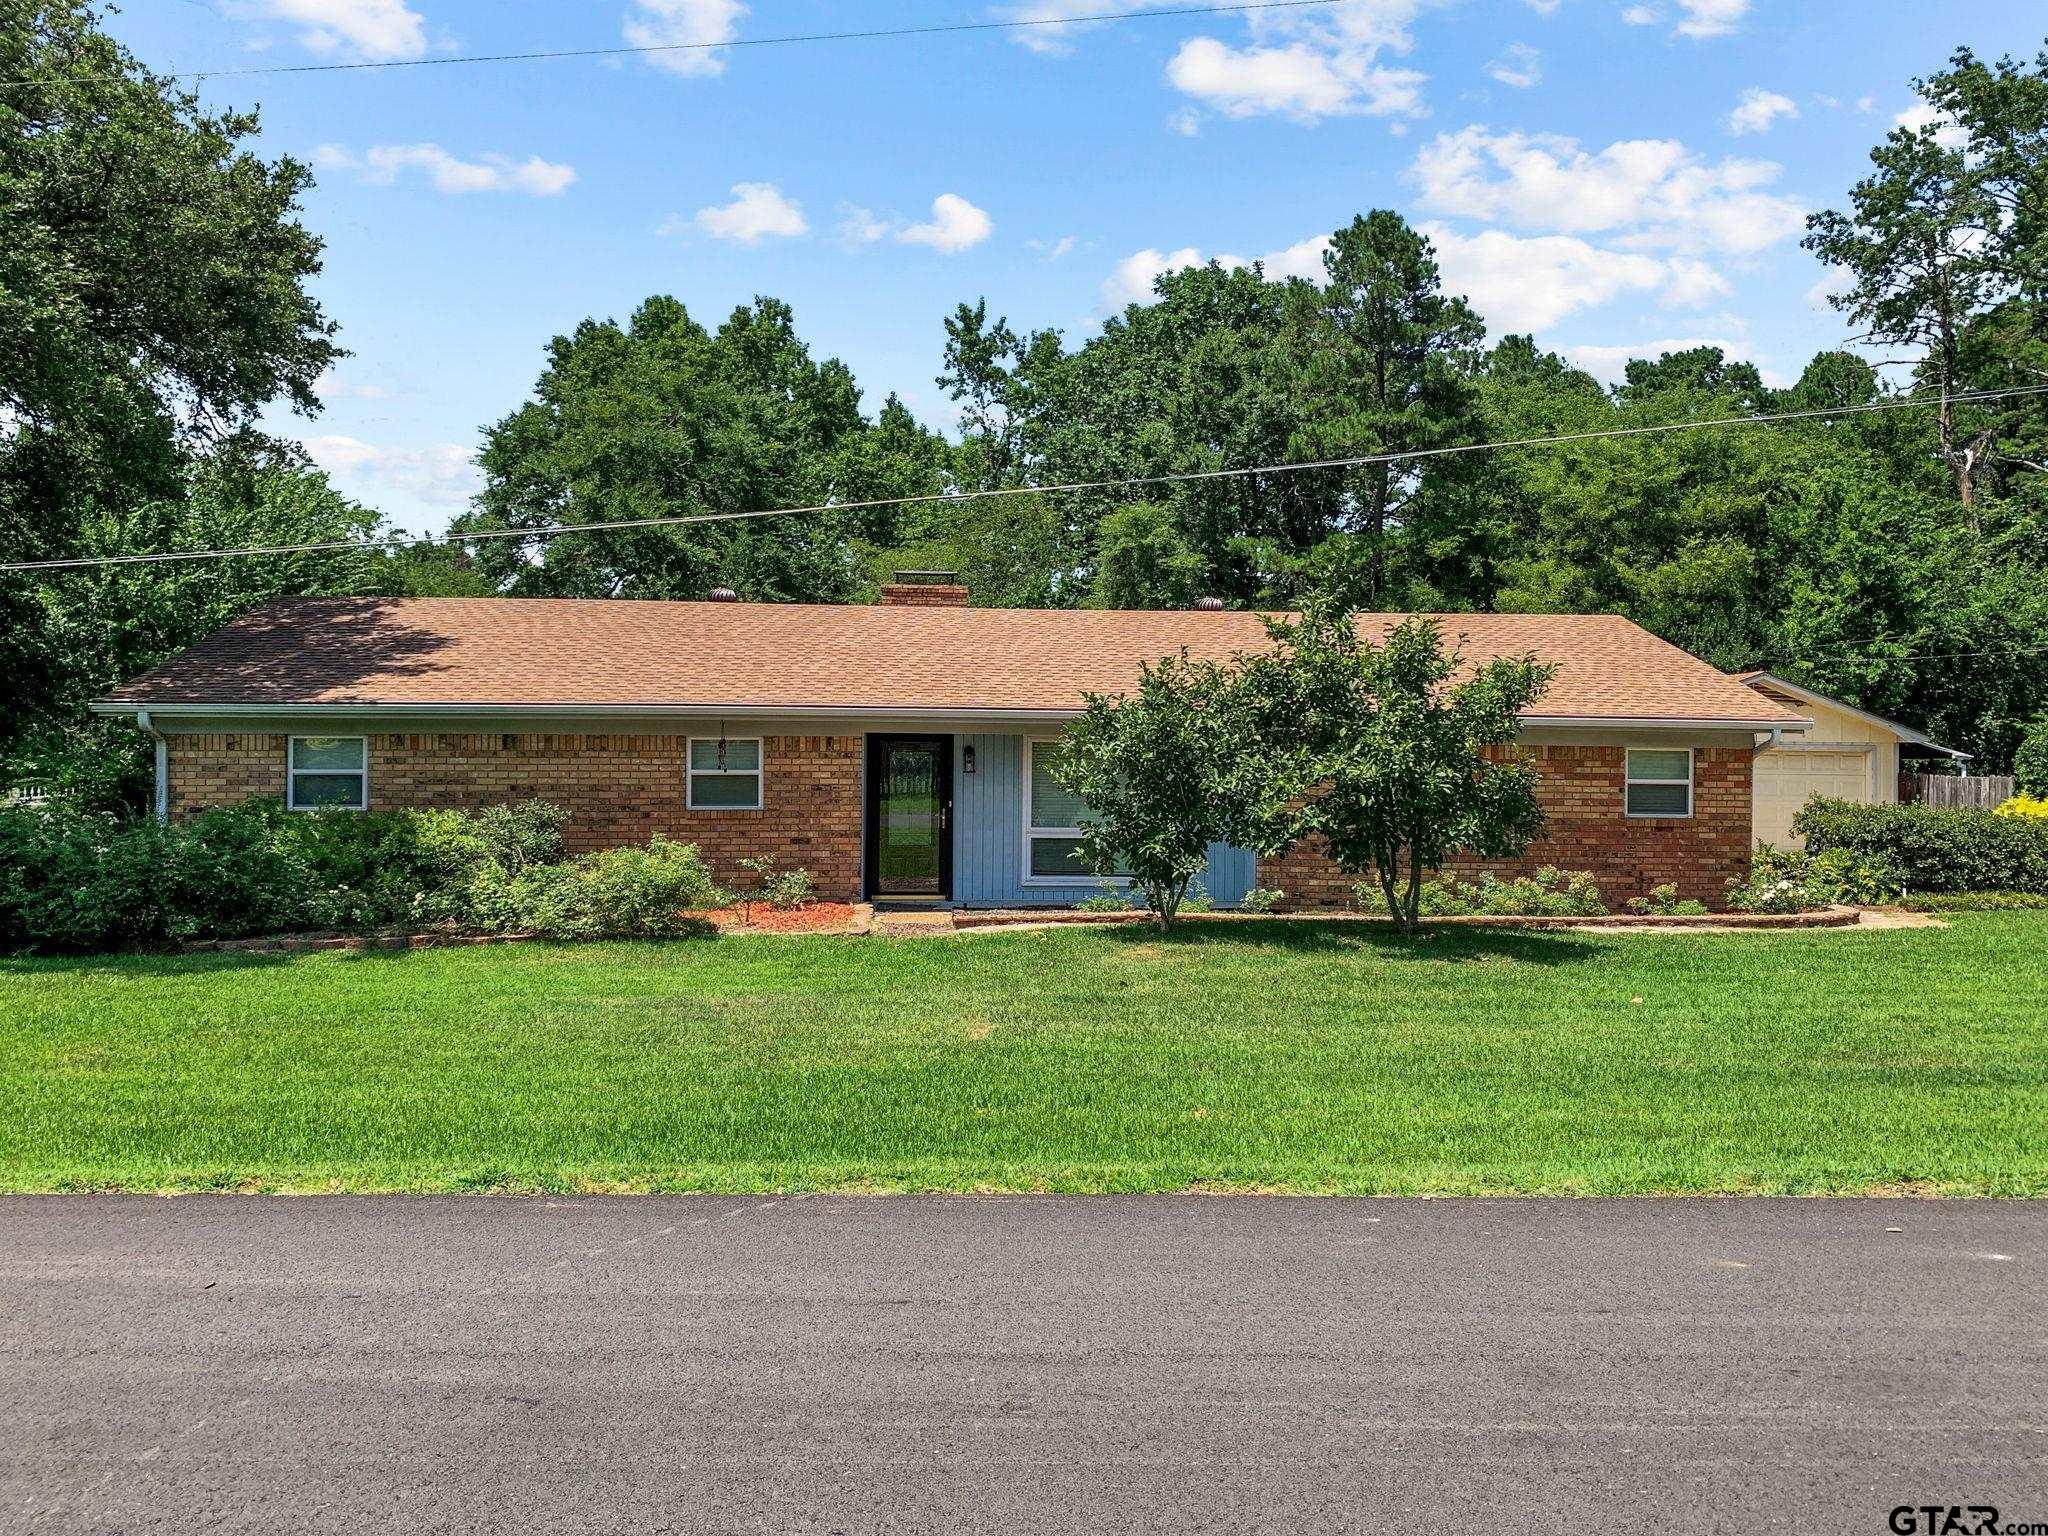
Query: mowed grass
[1267, 1056]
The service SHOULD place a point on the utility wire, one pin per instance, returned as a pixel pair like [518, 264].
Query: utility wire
[872, 34]
[1121, 482]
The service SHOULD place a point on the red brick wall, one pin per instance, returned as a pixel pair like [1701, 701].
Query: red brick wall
[1581, 792]
[617, 790]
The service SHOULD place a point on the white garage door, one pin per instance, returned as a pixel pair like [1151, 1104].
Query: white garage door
[1787, 780]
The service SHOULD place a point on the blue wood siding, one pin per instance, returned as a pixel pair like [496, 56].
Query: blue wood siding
[988, 836]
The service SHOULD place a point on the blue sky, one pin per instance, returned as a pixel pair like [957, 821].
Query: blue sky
[1615, 175]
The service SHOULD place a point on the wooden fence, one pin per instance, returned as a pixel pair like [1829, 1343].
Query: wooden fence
[1978, 792]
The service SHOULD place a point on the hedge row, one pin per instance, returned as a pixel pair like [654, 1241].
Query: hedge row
[80, 881]
[1933, 850]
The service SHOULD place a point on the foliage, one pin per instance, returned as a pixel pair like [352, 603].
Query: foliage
[783, 889]
[1165, 771]
[2025, 806]
[1198, 899]
[1261, 898]
[657, 892]
[662, 418]
[1933, 850]
[1974, 901]
[153, 293]
[1550, 892]
[1788, 880]
[1663, 901]
[2030, 762]
[1109, 899]
[1378, 752]
[73, 879]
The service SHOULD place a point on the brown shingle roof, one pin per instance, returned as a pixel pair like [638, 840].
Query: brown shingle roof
[525, 653]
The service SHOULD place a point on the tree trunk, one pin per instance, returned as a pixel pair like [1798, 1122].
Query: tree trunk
[1414, 889]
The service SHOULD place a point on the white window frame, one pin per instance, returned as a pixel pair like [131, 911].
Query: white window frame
[1032, 833]
[758, 773]
[1628, 779]
[292, 772]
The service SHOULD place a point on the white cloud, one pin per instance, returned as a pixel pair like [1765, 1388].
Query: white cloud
[684, 26]
[1651, 192]
[1642, 16]
[1530, 283]
[361, 29]
[1187, 122]
[1543, 7]
[1610, 364]
[1053, 250]
[1300, 80]
[439, 474]
[1835, 280]
[1131, 281]
[860, 226]
[1516, 282]
[1758, 109]
[1711, 18]
[1519, 66]
[1947, 133]
[382, 164]
[330, 386]
[1691, 284]
[758, 211]
[956, 225]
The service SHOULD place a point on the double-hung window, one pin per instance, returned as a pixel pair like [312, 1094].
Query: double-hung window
[725, 773]
[1659, 781]
[328, 773]
[1052, 822]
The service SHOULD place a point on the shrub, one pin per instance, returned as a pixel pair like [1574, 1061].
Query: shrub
[80, 880]
[656, 892]
[1550, 892]
[1933, 850]
[1976, 901]
[2025, 806]
[1663, 902]
[1787, 880]
[1260, 899]
[785, 890]
[2030, 762]
[1108, 899]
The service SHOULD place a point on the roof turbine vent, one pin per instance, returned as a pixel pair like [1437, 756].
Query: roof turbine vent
[1208, 605]
[723, 595]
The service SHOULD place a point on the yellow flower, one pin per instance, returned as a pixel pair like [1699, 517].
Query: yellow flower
[2032, 807]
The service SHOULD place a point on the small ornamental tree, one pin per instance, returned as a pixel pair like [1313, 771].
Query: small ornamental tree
[1385, 756]
[1164, 773]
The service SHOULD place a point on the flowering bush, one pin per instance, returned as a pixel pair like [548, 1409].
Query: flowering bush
[1933, 850]
[1787, 880]
[1663, 902]
[2026, 806]
[1550, 892]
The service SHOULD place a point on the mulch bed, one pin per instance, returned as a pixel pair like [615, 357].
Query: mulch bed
[812, 917]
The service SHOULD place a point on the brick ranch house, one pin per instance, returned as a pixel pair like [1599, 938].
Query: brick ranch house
[898, 750]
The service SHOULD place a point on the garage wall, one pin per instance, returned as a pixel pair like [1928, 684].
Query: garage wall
[1844, 756]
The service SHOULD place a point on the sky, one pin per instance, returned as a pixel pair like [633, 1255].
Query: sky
[1620, 177]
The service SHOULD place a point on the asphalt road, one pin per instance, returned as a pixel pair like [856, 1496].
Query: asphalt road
[1017, 1364]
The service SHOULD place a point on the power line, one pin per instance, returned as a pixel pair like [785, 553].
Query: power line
[1121, 482]
[868, 35]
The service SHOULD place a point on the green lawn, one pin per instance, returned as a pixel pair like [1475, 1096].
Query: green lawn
[1252, 1055]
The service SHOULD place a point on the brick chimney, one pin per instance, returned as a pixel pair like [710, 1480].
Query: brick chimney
[924, 589]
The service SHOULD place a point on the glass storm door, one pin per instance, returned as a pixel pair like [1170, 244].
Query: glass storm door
[910, 786]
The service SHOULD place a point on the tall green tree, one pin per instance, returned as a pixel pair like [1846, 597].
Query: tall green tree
[1385, 361]
[662, 418]
[153, 301]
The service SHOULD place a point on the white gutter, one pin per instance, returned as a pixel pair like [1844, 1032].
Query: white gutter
[356, 710]
[163, 763]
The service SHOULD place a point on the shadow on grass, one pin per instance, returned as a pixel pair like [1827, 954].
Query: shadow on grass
[1298, 937]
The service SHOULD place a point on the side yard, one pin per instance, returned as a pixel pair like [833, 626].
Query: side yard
[1251, 1055]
